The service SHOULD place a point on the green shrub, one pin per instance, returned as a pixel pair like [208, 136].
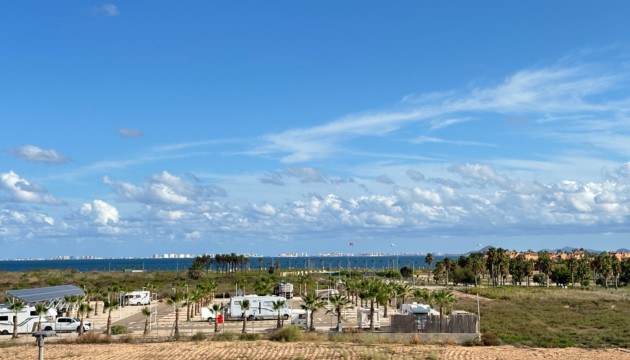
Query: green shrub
[92, 338]
[119, 330]
[248, 337]
[199, 336]
[225, 336]
[490, 339]
[288, 334]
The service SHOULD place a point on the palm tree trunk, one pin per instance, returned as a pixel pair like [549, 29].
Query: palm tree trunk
[15, 325]
[244, 324]
[146, 325]
[177, 322]
[109, 323]
[372, 315]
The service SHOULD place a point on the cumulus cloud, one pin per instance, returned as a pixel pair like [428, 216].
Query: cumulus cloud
[129, 132]
[35, 154]
[21, 190]
[101, 212]
[165, 188]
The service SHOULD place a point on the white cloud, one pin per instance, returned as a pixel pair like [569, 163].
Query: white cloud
[306, 175]
[22, 190]
[166, 189]
[107, 9]
[35, 154]
[101, 212]
[561, 91]
[129, 132]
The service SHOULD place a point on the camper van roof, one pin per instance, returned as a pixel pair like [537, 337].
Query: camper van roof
[45, 293]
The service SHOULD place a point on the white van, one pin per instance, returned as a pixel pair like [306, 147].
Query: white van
[139, 297]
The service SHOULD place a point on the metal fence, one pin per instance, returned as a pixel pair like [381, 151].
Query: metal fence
[456, 324]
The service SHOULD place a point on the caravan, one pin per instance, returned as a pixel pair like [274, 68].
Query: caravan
[27, 319]
[260, 307]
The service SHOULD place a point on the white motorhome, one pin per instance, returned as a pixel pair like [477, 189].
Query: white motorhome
[27, 319]
[420, 311]
[138, 297]
[300, 317]
[363, 318]
[260, 307]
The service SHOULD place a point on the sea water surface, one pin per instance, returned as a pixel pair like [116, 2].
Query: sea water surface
[150, 264]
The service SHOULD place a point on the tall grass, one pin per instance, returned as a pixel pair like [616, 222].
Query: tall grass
[554, 317]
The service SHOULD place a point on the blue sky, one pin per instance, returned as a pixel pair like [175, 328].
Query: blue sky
[133, 128]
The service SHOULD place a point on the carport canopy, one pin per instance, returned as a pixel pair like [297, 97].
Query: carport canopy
[47, 294]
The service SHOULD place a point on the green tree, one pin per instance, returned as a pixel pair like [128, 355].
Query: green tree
[174, 300]
[370, 289]
[216, 308]
[339, 303]
[572, 264]
[444, 299]
[311, 304]
[429, 260]
[244, 308]
[40, 310]
[16, 307]
[110, 305]
[83, 309]
[277, 306]
[146, 311]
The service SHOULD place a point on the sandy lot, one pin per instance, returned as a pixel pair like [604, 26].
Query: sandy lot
[302, 350]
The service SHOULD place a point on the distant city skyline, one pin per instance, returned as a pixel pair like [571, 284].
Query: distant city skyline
[292, 126]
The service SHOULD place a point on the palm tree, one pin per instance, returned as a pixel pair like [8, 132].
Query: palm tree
[216, 308]
[109, 306]
[40, 310]
[174, 300]
[278, 305]
[244, 308]
[146, 311]
[429, 260]
[312, 304]
[424, 295]
[16, 307]
[443, 299]
[370, 290]
[83, 309]
[71, 300]
[572, 266]
[339, 303]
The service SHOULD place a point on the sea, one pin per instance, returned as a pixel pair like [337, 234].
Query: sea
[177, 264]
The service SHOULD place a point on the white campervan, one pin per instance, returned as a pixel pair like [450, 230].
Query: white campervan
[138, 297]
[27, 319]
[260, 307]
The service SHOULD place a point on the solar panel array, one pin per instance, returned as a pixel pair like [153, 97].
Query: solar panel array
[46, 293]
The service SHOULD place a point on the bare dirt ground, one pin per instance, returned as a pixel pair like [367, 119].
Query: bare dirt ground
[301, 350]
